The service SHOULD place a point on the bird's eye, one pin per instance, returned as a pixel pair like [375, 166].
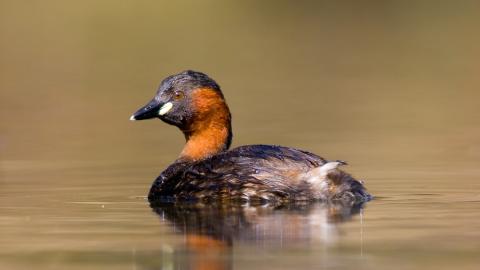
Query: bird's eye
[178, 95]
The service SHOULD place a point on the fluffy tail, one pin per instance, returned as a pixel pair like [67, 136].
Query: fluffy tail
[332, 184]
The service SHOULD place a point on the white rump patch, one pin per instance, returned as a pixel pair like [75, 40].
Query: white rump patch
[327, 167]
[320, 173]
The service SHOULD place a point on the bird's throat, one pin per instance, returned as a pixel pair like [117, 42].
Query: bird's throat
[210, 131]
[206, 143]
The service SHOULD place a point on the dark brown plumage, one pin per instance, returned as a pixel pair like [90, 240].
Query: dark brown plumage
[207, 171]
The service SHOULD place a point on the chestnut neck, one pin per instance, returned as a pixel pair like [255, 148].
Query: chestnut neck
[210, 131]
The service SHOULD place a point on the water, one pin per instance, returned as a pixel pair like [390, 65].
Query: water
[389, 87]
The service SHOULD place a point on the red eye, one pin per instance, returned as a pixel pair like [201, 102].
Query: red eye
[178, 95]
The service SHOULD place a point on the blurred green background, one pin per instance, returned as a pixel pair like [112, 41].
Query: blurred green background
[376, 77]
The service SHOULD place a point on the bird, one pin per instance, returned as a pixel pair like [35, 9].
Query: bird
[207, 170]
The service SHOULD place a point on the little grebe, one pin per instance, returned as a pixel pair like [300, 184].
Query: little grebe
[207, 171]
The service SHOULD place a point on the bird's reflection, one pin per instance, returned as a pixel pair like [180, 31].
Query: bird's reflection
[210, 231]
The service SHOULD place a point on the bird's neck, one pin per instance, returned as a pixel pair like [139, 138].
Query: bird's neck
[210, 132]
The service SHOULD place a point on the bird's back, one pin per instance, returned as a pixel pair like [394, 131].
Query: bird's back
[246, 173]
